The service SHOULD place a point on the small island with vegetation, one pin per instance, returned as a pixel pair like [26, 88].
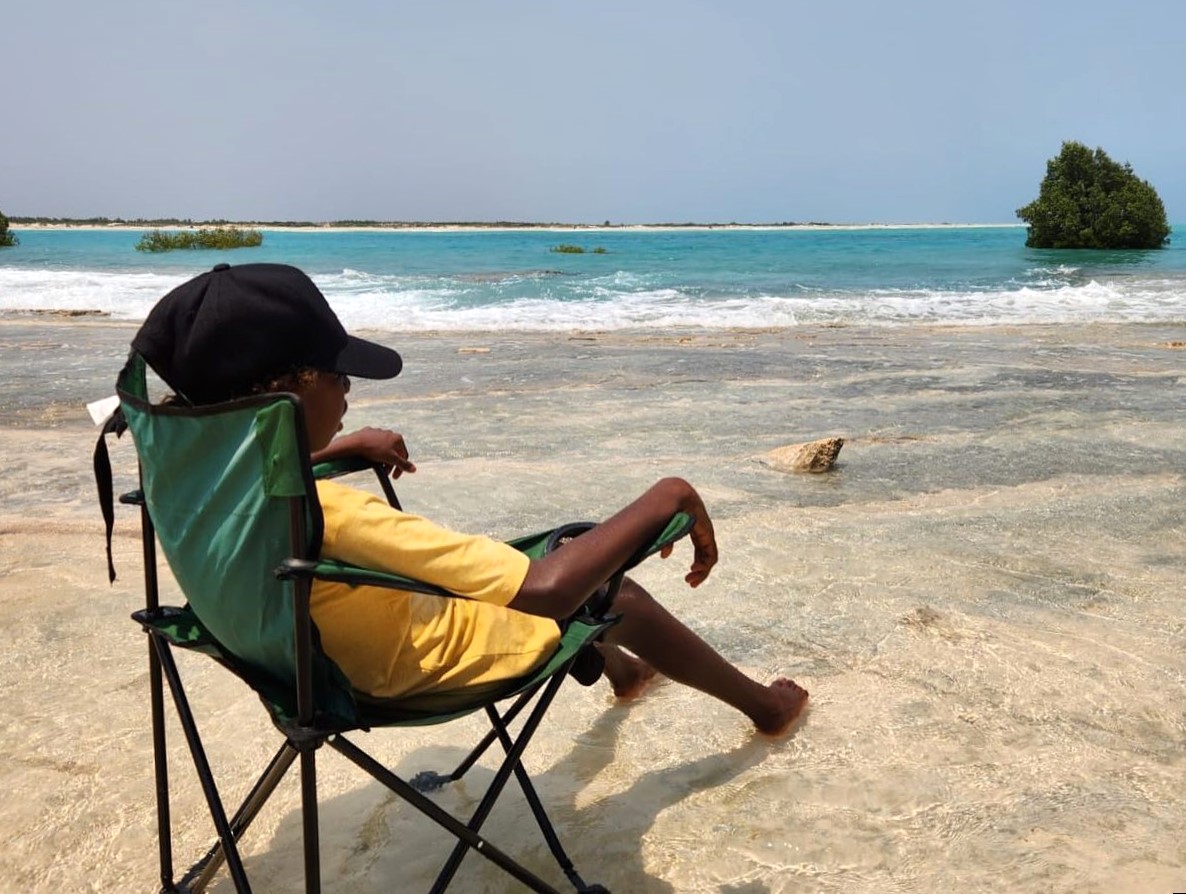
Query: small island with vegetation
[1087, 200]
[7, 239]
[201, 238]
[565, 248]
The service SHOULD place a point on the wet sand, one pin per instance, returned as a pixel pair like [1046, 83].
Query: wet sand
[984, 598]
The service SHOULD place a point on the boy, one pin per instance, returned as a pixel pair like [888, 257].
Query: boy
[266, 327]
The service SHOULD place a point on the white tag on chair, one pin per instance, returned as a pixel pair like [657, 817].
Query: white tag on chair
[101, 409]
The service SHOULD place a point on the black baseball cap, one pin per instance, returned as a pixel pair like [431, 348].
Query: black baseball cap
[215, 337]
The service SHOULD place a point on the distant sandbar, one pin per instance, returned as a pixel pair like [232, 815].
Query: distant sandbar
[396, 226]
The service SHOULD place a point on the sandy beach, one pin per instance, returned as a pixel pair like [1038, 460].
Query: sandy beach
[985, 599]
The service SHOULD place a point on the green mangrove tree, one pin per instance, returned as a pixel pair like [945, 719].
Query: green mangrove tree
[1087, 200]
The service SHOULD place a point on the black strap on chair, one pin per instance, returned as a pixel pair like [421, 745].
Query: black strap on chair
[117, 425]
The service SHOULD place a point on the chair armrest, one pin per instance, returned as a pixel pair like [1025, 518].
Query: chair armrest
[678, 527]
[341, 572]
[335, 468]
[533, 545]
[347, 465]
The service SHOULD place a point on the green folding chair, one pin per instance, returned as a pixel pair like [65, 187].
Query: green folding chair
[228, 492]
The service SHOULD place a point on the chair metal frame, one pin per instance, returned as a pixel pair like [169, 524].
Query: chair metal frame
[304, 737]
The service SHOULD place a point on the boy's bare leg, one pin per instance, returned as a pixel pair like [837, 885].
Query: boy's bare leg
[661, 641]
[629, 676]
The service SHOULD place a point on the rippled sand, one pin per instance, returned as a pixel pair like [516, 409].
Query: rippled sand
[985, 599]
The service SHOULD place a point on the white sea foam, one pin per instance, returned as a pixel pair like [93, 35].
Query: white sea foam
[548, 301]
[1056, 270]
[666, 308]
[123, 295]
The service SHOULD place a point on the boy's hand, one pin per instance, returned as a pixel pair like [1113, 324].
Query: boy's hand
[703, 537]
[387, 448]
[704, 548]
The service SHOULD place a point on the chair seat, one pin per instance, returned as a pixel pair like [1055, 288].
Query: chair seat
[183, 629]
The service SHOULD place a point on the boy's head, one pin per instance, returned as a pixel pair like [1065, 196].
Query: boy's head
[233, 330]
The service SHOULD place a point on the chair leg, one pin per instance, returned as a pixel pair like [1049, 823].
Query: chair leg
[198, 753]
[427, 781]
[513, 764]
[541, 818]
[156, 695]
[309, 816]
[204, 870]
[161, 770]
[433, 811]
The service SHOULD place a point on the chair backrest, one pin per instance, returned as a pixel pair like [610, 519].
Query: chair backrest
[218, 483]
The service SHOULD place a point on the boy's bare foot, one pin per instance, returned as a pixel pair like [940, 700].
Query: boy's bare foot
[629, 676]
[787, 701]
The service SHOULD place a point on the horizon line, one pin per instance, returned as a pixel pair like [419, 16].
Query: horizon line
[359, 223]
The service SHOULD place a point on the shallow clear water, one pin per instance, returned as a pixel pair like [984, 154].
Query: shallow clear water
[984, 599]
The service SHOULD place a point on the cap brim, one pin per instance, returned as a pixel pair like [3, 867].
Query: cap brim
[367, 360]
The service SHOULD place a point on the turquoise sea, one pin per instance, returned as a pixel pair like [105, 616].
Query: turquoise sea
[512, 279]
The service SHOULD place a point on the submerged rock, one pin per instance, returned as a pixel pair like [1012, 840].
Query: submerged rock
[814, 456]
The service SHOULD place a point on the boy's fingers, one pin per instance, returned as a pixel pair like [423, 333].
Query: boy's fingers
[396, 465]
[698, 574]
[666, 551]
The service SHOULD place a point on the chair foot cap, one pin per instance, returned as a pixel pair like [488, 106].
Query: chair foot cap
[427, 781]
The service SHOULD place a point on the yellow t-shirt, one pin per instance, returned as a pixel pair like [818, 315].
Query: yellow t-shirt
[393, 643]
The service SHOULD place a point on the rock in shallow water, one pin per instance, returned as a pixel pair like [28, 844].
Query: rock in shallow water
[814, 456]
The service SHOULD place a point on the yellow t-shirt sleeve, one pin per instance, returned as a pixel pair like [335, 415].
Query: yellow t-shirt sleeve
[361, 529]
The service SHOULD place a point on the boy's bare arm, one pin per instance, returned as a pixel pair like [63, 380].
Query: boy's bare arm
[375, 444]
[557, 584]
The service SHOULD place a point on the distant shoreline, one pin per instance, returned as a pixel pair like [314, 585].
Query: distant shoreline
[18, 224]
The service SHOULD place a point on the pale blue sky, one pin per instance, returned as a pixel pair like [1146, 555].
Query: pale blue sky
[760, 111]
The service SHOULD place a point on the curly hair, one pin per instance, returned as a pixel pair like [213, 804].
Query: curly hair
[295, 380]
